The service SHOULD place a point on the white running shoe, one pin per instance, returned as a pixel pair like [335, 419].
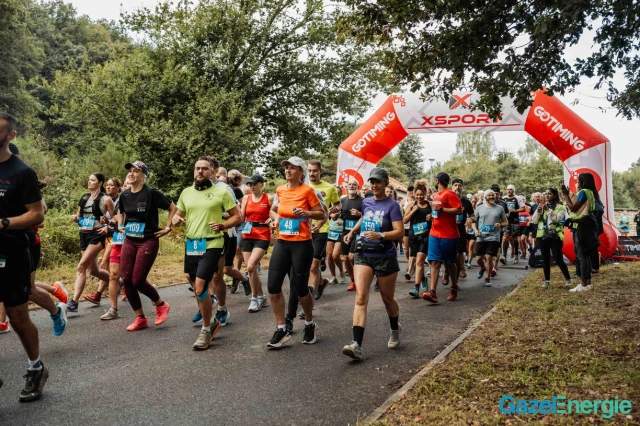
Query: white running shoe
[333, 281]
[262, 301]
[254, 306]
[343, 278]
[545, 284]
[580, 287]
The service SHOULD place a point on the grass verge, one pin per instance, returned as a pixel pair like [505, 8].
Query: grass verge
[538, 344]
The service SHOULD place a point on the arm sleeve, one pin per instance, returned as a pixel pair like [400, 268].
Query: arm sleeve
[536, 216]
[227, 202]
[582, 196]
[312, 198]
[394, 213]
[160, 199]
[29, 190]
[180, 205]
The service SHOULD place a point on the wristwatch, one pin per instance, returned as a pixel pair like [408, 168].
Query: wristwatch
[382, 235]
[5, 224]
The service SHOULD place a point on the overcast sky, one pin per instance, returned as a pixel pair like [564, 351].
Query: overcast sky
[623, 134]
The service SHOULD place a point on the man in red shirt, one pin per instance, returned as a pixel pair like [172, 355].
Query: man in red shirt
[443, 238]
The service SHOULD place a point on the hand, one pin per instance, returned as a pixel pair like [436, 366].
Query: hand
[428, 217]
[371, 235]
[215, 226]
[73, 218]
[564, 189]
[355, 212]
[301, 213]
[103, 230]
[273, 224]
[498, 225]
[314, 228]
[103, 220]
[347, 238]
[162, 233]
[414, 208]
[334, 210]
[477, 233]
[469, 222]
[177, 220]
[545, 207]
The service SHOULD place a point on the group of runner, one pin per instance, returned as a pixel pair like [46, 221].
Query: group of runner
[306, 221]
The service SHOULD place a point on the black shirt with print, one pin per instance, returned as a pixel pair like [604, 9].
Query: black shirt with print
[142, 207]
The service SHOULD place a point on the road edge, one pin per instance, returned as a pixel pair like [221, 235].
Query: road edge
[400, 393]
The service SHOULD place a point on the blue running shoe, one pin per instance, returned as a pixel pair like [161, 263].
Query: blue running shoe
[222, 316]
[60, 319]
[197, 317]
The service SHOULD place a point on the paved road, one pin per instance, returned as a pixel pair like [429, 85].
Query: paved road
[103, 375]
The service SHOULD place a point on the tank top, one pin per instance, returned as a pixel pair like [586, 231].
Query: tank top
[418, 218]
[256, 213]
[523, 216]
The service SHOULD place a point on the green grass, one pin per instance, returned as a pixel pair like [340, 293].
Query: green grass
[538, 344]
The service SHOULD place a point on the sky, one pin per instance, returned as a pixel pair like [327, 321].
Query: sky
[623, 134]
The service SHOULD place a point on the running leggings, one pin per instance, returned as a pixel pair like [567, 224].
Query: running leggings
[584, 257]
[136, 261]
[554, 247]
[290, 256]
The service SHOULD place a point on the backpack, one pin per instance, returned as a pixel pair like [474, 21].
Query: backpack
[95, 209]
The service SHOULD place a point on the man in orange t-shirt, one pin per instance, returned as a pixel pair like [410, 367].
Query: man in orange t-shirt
[443, 238]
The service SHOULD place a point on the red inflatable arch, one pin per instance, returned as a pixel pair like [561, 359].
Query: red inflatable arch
[578, 145]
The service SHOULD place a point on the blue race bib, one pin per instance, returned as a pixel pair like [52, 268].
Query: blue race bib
[196, 247]
[290, 226]
[86, 223]
[434, 214]
[420, 228]
[334, 235]
[349, 224]
[134, 229]
[522, 218]
[459, 218]
[118, 238]
[246, 227]
[488, 228]
[471, 231]
[370, 226]
[511, 206]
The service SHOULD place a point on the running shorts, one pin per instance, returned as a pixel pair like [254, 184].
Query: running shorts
[442, 250]
[382, 266]
[203, 266]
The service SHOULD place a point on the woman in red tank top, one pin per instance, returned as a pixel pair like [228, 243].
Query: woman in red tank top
[524, 219]
[256, 235]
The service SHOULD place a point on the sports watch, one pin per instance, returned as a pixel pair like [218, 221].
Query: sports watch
[5, 224]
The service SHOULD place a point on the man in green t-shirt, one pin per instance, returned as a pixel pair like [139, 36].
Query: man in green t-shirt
[201, 206]
[320, 228]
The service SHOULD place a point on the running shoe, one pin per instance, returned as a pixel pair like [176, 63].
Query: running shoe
[310, 334]
[35, 381]
[246, 285]
[262, 301]
[415, 292]
[430, 296]
[288, 325]
[233, 288]
[481, 273]
[321, 287]
[333, 281]
[203, 340]
[60, 292]
[301, 314]
[503, 260]
[463, 274]
[343, 278]
[423, 285]
[138, 324]
[428, 272]
[487, 282]
[253, 305]
[72, 306]
[223, 316]
[60, 319]
[407, 276]
[197, 317]
[546, 283]
[394, 338]
[515, 259]
[579, 288]
[4, 327]
[453, 293]
[376, 287]
[162, 312]
[323, 264]
[352, 286]
[279, 338]
[94, 298]
[353, 350]
[568, 283]
[112, 313]
[493, 272]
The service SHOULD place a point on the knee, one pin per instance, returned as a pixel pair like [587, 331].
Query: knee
[336, 257]
[113, 276]
[387, 299]
[81, 268]
[251, 268]
[362, 299]
[351, 258]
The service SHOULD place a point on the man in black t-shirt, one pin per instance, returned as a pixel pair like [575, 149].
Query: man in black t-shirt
[20, 209]
[351, 211]
[462, 220]
[512, 232]
[500, 202]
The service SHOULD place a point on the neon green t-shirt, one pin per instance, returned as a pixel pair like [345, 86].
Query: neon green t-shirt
[330, 195]
[202, 207]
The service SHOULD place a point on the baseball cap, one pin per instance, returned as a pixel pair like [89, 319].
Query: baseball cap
[255, 179]
[378, 173]
[411, 187]
[138, 165]
[443, 178]
[511, 187]
[495, 187]
[14, 148]
[295, 161]
[457, 180]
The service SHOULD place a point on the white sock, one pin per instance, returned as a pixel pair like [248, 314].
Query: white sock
[308, 322]
[222, 308]
[282, 327]
[34, 365]
[206, 328]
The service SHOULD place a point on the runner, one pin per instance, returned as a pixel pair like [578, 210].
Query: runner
[256, 235]
[350, 214]
[320, 228]
[463, 221]
[489, 219]
[476, 200]
[202, 205]
[524, 220]
[293, 252]
[376, 255]
[418, 216]
[91, 208]
[334, 248]
[443, 239]
[138, 212]
[20, 208]
[512, 231]
[235, 179]
[501, 257]
[407, 227]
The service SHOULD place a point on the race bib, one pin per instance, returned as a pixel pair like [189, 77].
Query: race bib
[334, 235]
[370, 226]
[196, 247]
[246, 227]
[134, 229]
[118, 238]
[85, 223]
[488, 228]
[420, 228]
[349, 224]
[511, 206]
[459, 218]
[290, 226]
[522, 218]
[434, 214]
[471, 231]
[3, 262]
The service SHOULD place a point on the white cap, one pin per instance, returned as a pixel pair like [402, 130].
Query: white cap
[511, 187]
[298, 162]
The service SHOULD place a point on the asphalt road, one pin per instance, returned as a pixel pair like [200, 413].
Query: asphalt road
[100, 374]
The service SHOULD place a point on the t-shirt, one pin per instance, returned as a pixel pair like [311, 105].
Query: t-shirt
[380, 214]
[18, 187]
[486, 219]
[461, 219]
[202, 207]
[292, 227]
[444, 224]
[238, 193]
[513, 203]
[142, 207]
[348, 204]
[330, 196]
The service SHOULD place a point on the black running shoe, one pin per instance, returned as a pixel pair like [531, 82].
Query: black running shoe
[279, 338]
[234, 286]
[321, 287]
[503, 261]
[246, 285]
[288, 325]
[33, 386]
[72, 306]
[310, 334]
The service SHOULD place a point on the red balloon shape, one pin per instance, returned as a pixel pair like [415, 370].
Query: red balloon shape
[608, 243]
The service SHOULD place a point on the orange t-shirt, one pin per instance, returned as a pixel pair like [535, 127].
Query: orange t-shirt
[292, 227]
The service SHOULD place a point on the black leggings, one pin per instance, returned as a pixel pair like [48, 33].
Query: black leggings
[290, 256]
[554, 247]
[584, 258]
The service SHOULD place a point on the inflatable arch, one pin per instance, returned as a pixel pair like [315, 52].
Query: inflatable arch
[571, 139]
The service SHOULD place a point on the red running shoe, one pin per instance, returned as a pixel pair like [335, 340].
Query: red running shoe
[4, 327]
[60, 293]
[352, 286]
[139, 324]
[453, 293]
[162, 312]
[93, 298]
[494, 273]
[430, 296]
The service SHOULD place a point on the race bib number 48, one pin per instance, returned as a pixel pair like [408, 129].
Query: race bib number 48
[290, 226]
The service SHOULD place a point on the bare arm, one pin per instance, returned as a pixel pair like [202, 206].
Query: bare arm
[32, 217]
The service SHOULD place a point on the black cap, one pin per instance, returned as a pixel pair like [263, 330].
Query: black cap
[443, 178]
[378, 173]
[410, 187]
[255, 179]
[457, 180]
[495, 187]
[14, 149]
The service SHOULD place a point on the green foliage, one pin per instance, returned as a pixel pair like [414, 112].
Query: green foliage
[410, 155]
[60, 239]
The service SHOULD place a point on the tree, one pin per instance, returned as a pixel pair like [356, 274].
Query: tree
[471, 145]
[410, 154]
[503, 47]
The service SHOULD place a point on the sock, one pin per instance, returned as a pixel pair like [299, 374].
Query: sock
[308, 322]
[57, 313]
[393, 322]
[142, 316]
[222, 308]
[505, 248]
[358, 334]
[99, 293]
[161, 304]
[282, 327]
[206, 328]
[34, 365]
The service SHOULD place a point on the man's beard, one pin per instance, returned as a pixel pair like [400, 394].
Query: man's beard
[353, 191]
